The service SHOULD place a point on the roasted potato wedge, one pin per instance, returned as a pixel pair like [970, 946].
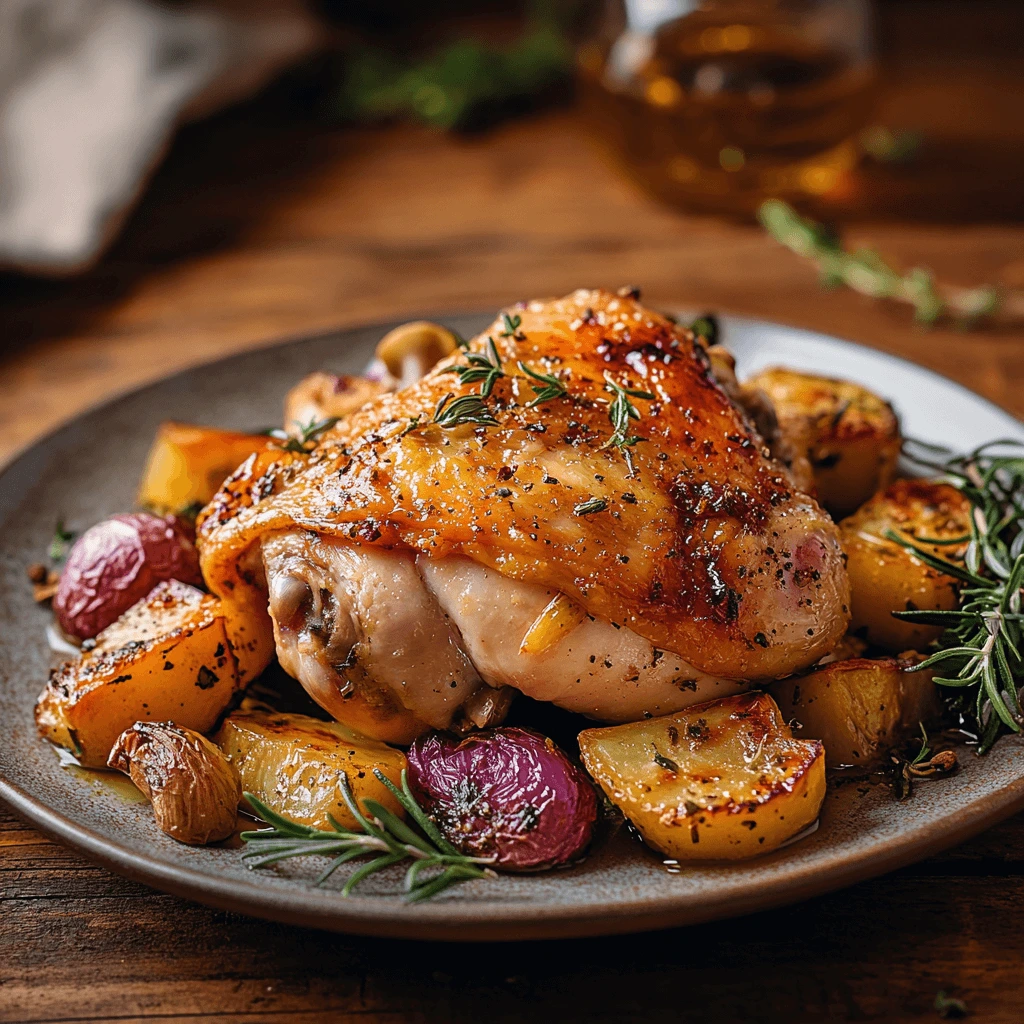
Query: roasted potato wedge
[885, 577]
[187, 464]
[719, 781]
[322, 396]
[166, 659]
[293, 763]
[850, 435]
[859, 708]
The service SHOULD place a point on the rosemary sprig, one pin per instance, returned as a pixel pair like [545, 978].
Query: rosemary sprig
[980, 648]
[866, 272]
[620, 412]
[454, 412]
[383, 836]
[548, 386]
[481, 366]
[308, 435]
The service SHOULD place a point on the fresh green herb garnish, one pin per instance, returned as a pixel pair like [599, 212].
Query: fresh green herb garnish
[620, 412]
[465, 84]
[383, 835]
[480, 366]
[60, 543]
[586, 508]
[191, 511]
[949, 1007]
[512, 324]
[465, 409]
[548, 386]
[981, 649]
[414, 422]
[923, 766]
[866, 272]
[706, 327]
[308, 435]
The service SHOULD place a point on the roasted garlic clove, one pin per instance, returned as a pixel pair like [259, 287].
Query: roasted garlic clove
[194, 789]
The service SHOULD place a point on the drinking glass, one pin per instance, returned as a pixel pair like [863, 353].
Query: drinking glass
[718, 104]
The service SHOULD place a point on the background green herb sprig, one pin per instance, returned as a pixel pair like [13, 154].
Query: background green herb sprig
[866, 272]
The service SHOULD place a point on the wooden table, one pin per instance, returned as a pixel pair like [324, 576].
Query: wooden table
[264, 224]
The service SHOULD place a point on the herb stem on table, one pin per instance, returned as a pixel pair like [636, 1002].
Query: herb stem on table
[383, 836]
[865, 271]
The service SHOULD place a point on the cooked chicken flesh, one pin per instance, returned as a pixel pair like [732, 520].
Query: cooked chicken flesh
[407, 560]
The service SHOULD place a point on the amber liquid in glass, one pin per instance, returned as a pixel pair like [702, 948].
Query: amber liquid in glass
[720, 115]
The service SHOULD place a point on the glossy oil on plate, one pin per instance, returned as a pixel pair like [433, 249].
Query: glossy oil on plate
[90, 468]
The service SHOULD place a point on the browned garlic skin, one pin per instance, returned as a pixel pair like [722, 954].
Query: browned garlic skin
[194, 789]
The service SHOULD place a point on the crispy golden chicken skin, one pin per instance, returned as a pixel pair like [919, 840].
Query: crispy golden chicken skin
[685, 532]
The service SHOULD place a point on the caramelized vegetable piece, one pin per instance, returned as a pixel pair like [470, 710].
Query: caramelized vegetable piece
[720, 781]
[188, 463]
[323, 396]
[115, 564]
[850, 435]
[859, 708]
[194, 790]
[885, 577]
[293, 763]
[507, 793]
[167, 658]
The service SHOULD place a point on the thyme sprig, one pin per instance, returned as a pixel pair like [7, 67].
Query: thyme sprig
[454, 412]
[512, 325]
[481, 366]
[980, 650]
[546, 388]
[620, 412]
[866, 272]
[435, 863]
[307, 437]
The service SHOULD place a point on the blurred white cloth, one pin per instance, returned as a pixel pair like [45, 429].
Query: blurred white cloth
[90, 94]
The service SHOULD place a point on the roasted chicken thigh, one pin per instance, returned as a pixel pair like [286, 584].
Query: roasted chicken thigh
[595, 523]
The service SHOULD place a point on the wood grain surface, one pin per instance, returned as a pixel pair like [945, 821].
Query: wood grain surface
[268, 222]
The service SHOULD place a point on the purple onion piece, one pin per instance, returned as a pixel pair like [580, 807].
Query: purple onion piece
[509, 793]
[118, 562]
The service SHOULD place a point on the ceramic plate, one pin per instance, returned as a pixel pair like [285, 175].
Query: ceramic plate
[90, 468]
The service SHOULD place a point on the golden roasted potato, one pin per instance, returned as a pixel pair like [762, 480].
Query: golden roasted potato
[322, 396]
[187, 464]
[719, 781]
[191, 784]
[859, 708]
[166, 659]
[293, 763]
[885, 577]
[850, 435]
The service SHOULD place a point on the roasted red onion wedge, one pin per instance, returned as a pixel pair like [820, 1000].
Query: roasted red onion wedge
[115, 564]
[505, 793]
